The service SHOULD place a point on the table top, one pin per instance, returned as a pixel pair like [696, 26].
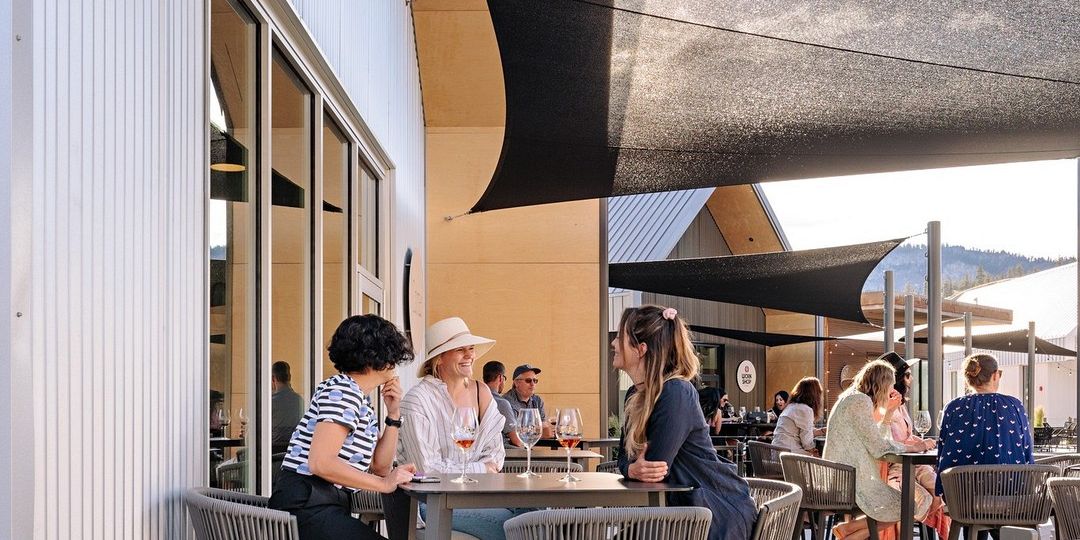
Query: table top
[548, 453]
[225, 442]
[603, 441]
[918, 458]
[498, 483]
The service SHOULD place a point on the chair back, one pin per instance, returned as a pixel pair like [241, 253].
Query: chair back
[609, 466]
[518, 467]
[368, 505]
[1065, 494]
[998, 494]
[218, 514]
[778, 508]
[826, 485]
[1062, 461]
[231, 476]
[765, 459]
[691, 523]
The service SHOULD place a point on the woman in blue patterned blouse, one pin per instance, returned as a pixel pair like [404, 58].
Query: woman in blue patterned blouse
[336, 447]
[983, 428]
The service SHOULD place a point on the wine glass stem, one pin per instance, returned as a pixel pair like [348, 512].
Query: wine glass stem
[567, 461]
[464, 462]
[528, 459]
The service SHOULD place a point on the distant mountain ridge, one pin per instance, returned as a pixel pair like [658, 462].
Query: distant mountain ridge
[961, 268]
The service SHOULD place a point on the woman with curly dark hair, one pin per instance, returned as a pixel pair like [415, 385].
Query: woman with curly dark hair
[336, 447]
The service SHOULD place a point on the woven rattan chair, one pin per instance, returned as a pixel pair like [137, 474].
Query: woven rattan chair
[609, 466]
[1065, 494]
[1072, 471]
[368, 505]
[231, 476]
[518, 467]
[828, 488]
[218, 514]
[1062, 461]
[765, 459]
[778, 508]
[690, 523]
[982, 497]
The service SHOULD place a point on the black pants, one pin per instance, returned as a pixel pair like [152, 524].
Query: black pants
[321, 510]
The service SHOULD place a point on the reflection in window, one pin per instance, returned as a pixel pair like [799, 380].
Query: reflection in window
[335, 234]
[290, 251]
[231, 228]
[371, 306]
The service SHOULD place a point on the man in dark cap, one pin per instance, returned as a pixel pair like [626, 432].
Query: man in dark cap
[523, 394]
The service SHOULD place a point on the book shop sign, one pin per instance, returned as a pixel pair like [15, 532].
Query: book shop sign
[747, 376]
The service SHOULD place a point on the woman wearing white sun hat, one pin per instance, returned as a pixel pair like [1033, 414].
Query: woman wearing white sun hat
[427, 409]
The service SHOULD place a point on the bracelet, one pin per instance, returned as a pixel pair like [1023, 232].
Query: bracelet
[392, 423]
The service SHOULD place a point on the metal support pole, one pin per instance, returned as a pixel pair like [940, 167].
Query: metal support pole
[916, 401]
[819, 349]
[1076, 345]
[967, 333]
[933, 294]
[890, 313]
[1029, 403]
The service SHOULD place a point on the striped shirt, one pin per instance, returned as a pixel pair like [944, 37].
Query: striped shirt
[338, 400]
[426, 437]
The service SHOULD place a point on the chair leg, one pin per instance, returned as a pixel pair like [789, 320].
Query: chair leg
[819, 525]
[800, 527]
[871, 526]
[954, 531]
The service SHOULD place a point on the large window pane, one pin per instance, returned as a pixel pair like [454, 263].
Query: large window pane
[290, 286]
[335, 234]
[231, 227]
[369, 222]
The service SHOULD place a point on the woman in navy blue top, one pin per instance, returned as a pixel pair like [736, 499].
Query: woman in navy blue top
[665, 439]
[984, 428]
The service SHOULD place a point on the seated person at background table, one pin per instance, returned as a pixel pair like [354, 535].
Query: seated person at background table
[336, 448]
[713, 404]
[494, 378]
[286, 406]
[984, 428]
[428, 414]
[925, 476]
[523, 396]
[795, 426]
[661, 442]
[859, 435]
[780, 400]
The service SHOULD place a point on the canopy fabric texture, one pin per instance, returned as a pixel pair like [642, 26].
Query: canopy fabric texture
[767, 339]
[1013, 341]
[615, 97]
[826, 281]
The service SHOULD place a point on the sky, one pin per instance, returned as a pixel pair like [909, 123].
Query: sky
[1026, 208]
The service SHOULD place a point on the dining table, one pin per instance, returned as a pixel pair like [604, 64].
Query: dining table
[503, 490]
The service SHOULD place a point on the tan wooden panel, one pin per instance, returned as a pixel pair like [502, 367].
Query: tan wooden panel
[742, 220]
[542, 315]
[460, 68]
[450, 5]
[460, 163]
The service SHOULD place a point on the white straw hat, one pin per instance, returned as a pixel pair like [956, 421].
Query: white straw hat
[449, 334]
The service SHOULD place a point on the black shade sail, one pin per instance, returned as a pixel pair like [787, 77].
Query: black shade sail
[825, 281]
[1012, 341]
[767, 339]
[615, 97]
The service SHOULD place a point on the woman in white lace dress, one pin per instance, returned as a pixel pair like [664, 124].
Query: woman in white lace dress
[859, 435]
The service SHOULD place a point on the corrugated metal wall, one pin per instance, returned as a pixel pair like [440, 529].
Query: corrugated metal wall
[371, 46]
[118, 310]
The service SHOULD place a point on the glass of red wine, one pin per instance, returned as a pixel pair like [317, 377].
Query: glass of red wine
[568, 432]
[464, 433]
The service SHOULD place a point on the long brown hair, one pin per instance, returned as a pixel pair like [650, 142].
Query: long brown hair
[808, 392]
[669, 354]
[875, 379]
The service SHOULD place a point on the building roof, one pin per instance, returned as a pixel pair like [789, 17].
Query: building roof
[1047, 297]
[647, 227]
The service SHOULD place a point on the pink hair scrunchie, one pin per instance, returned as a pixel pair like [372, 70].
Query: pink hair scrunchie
[670, 313]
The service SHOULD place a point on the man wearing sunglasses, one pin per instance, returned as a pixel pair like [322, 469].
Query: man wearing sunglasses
[523, 394]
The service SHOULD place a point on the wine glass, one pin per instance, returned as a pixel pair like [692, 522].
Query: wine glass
[464, 433]
[529, 429]
[742, 414]
[921, 423]
[243, 422]
[568, 431]
[224, 419]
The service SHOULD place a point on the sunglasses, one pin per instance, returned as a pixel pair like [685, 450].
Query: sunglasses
[528, 380]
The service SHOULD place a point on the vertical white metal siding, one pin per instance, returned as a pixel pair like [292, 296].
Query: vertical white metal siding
[372, 49]
[119, 262]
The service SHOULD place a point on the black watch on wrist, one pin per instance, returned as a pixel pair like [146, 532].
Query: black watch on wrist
[392, 423]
